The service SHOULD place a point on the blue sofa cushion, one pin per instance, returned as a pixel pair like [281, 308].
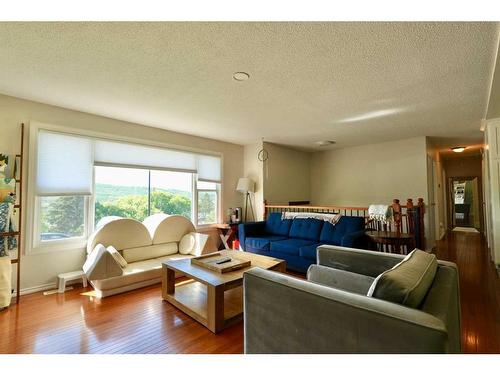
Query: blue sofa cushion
[333, 234]
[307, 229]
[276, 226]
[310, 251]
[290, 246]
[262, 242]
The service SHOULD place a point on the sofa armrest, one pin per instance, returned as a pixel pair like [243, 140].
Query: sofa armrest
[283, 314]
[357, 240]
[339, 279]
[100, 264]
[365, 262]
[250, 229]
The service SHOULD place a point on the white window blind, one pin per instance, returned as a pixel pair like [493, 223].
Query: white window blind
[133, 155]
[64, 164]
[209, 168]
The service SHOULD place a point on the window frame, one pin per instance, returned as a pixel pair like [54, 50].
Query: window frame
[124, 166]
[218, 208]
[62, 243]
[31, 224]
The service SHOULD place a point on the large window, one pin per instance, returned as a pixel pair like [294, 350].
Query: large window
[138, 193]
[79, 180]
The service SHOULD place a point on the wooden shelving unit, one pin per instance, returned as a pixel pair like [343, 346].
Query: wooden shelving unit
[18, 206]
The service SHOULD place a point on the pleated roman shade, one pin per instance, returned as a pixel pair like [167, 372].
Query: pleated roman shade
[134, 155]
[209, 168]
[64, 164]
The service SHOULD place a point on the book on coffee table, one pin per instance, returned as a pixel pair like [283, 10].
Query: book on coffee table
[221, 263]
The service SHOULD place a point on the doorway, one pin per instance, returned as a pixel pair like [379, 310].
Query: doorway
[465, 203]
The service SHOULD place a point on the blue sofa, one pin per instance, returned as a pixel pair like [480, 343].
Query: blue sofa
[296, 240]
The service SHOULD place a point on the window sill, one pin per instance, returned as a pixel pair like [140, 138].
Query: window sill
[207, 226]
[56, 247]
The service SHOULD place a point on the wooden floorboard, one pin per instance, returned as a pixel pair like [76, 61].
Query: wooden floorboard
[133, 322]
[140, 322]
[479, 290]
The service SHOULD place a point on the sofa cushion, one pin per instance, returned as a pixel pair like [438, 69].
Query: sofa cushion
[309, 251]
[290, 246]
[307, 229]
[276, 226]
[100, 264]
[333, 234]
[261, 243]
[137, 254]
[117, 256]
[408, 282]
[187, 243]
[121, 233]
[167, 228]
[137, 272]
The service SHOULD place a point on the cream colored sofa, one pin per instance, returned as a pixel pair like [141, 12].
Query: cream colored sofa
[140, 250]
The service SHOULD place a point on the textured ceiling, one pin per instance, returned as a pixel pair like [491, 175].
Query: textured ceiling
[355, 83]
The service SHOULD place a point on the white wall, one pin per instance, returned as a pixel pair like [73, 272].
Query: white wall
[287, 175]
[376, 173]
[42, 269]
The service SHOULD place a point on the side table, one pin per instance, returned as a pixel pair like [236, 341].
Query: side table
[391, 241]
[228, 233]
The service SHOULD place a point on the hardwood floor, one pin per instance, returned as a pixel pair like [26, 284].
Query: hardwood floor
[479, 290]
[140, 322]
[133, 322]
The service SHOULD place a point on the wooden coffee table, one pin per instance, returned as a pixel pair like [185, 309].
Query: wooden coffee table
[213, 299]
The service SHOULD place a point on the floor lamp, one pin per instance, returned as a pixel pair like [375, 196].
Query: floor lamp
[246, 186]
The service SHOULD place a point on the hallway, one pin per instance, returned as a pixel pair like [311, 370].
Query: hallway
[479, 290]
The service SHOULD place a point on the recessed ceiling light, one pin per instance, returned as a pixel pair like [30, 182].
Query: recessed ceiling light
[458, 149]
[241, 76]
[325, 143]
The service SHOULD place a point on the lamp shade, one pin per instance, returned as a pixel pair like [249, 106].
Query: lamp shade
[245, 185]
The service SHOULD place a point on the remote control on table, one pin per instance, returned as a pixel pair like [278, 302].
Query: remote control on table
[223, 260]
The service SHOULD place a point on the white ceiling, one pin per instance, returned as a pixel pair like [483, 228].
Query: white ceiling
[355, 83]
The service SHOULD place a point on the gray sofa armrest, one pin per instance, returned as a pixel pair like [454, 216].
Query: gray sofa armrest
[288, 315]
[365, 262]
[339, 279]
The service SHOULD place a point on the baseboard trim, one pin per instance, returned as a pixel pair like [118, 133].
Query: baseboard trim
[41, 288]
[35, 289]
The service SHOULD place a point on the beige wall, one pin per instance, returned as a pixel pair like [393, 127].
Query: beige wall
[42, 269]
[253, 169]
[287, 175]
[375, 173]
[439, 179]
[466, 166]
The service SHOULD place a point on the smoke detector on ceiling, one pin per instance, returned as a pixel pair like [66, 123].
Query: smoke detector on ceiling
[324, 143]
[241, 76]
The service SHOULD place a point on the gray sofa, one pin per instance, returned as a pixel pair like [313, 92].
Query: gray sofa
[283, 314]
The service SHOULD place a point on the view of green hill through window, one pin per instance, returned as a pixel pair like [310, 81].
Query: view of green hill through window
[132, 201]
